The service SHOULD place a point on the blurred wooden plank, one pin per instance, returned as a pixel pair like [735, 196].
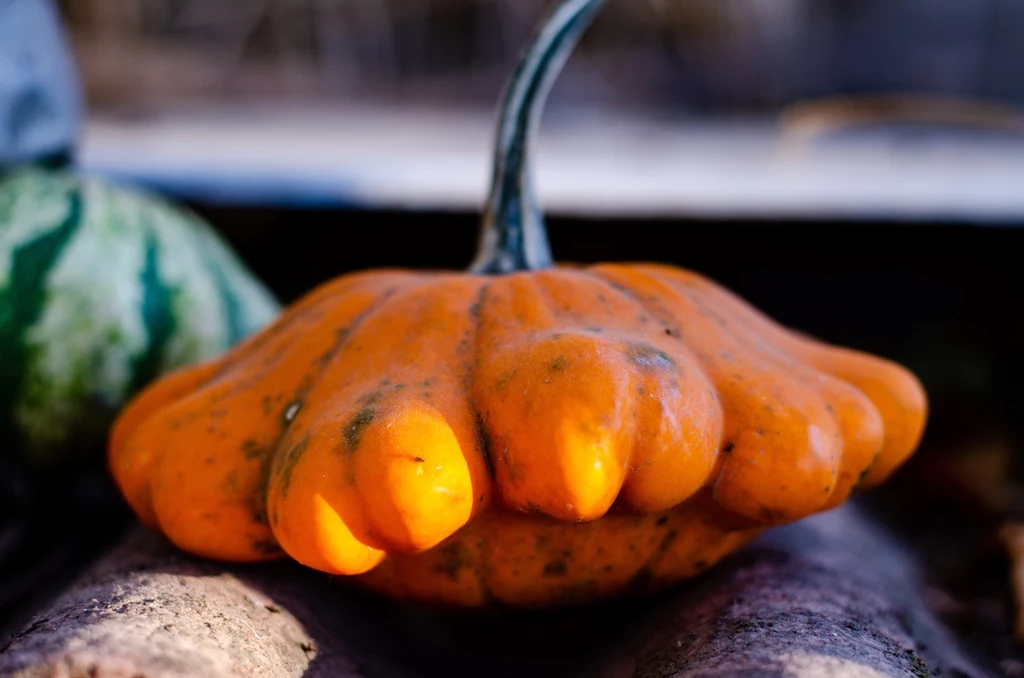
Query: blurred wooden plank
[419, 158]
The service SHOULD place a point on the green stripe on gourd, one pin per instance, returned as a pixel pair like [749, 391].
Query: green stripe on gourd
[157, 317]
[101, 290]
[21, 301]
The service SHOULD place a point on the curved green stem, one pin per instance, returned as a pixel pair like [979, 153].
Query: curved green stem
[513, 237]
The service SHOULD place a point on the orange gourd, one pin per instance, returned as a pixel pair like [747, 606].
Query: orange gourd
[523, 433]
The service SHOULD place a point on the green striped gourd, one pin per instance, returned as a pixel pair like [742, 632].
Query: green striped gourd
[101, 290]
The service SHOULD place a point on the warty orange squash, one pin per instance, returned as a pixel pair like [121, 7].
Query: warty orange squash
[523, 433]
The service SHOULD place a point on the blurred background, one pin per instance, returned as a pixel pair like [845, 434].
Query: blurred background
[673, 56]
[669, 107]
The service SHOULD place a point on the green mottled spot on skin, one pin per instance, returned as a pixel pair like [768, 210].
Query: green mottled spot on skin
[648, 358]
[266, 547]
[21, 305]
[258, 498]
[453, 559]
[289, 462]
[667, 541]
[252, 450]
[558, 364]
[353, 431]
[505, 379]
[230, 483]
[370, 398]
[485, 444]
[556, 568]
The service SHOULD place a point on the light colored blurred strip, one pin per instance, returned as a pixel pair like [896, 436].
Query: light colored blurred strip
[588, 166]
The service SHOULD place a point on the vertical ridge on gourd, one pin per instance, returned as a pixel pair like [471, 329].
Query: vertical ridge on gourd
[524, 433]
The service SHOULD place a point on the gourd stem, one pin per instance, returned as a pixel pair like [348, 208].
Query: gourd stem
[512, 236]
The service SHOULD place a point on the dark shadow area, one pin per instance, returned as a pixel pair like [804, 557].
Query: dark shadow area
[50, 531]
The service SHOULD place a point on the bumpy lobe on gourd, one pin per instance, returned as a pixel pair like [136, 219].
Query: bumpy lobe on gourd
[533, 438]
